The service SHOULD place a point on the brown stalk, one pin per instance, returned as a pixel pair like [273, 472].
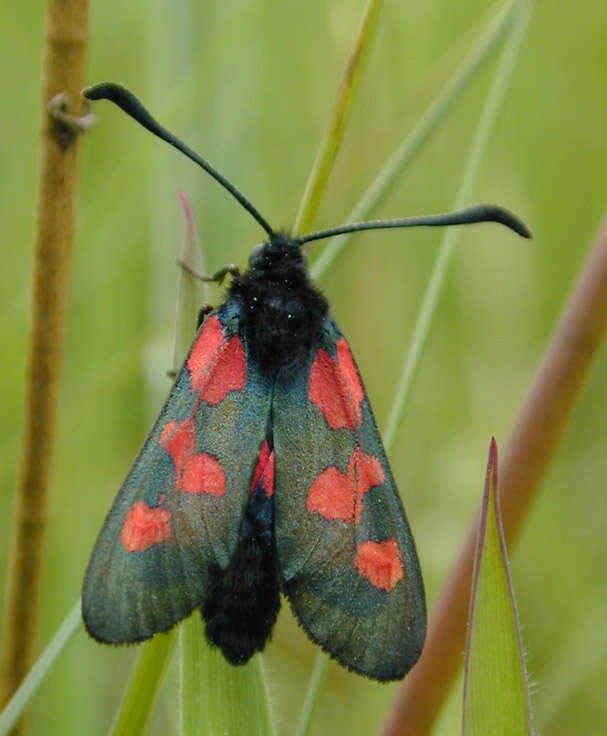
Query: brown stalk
[65, 45]
[533, 440]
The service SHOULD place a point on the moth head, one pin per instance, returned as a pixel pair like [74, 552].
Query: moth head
[280, 250]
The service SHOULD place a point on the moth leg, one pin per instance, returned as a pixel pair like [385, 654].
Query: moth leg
[203, 313]
[217, 278]
[220, 275]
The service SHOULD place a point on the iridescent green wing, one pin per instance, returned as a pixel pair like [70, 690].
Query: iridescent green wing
[179, 511]
[348, 560]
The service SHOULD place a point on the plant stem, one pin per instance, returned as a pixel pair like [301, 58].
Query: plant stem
[65, 47]
[445, 253]
[329, 146]
[28, 688]
[414, 140]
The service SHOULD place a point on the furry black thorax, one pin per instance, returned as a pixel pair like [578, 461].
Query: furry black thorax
[282, 314]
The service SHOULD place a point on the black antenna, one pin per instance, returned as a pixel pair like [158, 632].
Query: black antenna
[132, 106]
[480, 213]
[468, 216]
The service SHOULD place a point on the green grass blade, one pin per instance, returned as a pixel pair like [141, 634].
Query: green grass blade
[136, 709]
[214, 696]
[315, 685]
[414, 140]
[191, 292]
[191, 684]
[496, 696]
[445, 253]
[329, 146]
[26, 691]
[217, 698]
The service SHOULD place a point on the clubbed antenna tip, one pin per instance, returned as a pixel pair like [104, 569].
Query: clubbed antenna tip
[127, 102]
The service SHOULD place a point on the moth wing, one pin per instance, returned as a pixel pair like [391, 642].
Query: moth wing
[179, 510]
[348, 560]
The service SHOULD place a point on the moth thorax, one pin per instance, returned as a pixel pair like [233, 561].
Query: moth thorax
[284, 319]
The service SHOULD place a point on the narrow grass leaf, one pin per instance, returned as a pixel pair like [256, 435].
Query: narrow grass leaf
[26, 691]
[496, 696]
[191, 292]
[445, 253]
[315, 685]
[215, 697]
[419, 134]
[329, 146]
[137, 706]
[218, 698]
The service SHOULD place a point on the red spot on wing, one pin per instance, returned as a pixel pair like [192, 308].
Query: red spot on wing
[370, 474]
[261, 463]
[204, 349]
[145, 526]
[332, 495]
[216, 366]
[228, 373]
[194, 472]
[264, 472]
[202, 473]
[167, 431]
[178, 440]
[337, 495]
[349, 371]
[380, 563]
[335, 387]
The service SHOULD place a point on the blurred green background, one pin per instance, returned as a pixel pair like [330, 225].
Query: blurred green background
[250, 86]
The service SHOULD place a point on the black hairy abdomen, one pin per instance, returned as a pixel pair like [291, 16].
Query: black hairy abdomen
[244, 599]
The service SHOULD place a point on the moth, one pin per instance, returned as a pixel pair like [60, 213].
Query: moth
[265, 474]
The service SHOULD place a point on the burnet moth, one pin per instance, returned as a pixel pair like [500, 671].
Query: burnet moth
[265, 474]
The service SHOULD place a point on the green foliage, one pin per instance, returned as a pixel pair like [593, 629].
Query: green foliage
[216, 697]
[250, 86]
[496, 697]
[137, 707]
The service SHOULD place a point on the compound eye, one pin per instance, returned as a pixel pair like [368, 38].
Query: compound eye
[257, 256]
